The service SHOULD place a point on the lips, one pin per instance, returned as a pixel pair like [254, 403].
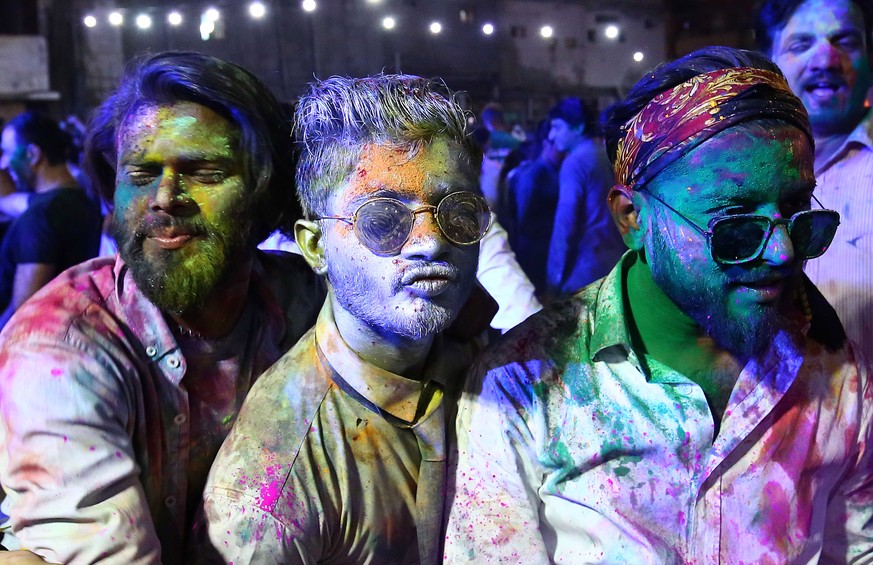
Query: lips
[823, 85]
[171, 238]
[766, 289]
[429, 280]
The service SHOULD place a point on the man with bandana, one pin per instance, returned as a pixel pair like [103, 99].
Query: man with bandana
[339, 452]
[121, 378]
[699, 404]
[823, 48]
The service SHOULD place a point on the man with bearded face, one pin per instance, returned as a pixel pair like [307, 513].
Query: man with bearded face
[339, 451]
[122, 377]
[700, 404]
[823, 47]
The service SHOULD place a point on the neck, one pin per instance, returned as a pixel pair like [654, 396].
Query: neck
[660, 324]
[222, 309]
[829, 140]
[669, 335]
[826, 146]
[400, 355]
[52, 177]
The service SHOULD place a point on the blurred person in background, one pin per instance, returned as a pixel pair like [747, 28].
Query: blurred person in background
[823, 48]
[585, 242]
[60, 226]
[529, 204]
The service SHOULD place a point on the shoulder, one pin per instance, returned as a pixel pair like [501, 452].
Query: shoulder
[75, 298]
[589, 159]
[272, 425]
[539, 349]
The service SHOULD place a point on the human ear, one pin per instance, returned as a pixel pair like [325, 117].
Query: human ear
[625, 215]
[34, 153]
[309, 238]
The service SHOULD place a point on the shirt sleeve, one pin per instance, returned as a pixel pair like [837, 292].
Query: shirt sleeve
[503, 278]
[493, 514]
[37, 241]
[242, 533]
[848, 536]
[263, 500]
[66, 460]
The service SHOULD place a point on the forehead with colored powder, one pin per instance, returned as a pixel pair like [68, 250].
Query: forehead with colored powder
[746, 165]
[173, 128]
[415, 175]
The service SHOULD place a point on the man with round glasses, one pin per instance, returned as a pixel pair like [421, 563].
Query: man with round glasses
[700, 404]
[340, 449]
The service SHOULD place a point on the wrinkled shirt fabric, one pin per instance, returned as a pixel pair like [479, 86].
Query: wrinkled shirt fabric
[324, 464]
[845, 273]
[570, 452]
[96, 433]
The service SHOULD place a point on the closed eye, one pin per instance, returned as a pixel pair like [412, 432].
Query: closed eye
[142, 177]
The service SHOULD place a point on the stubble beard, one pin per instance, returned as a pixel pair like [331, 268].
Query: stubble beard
[745, 335]
[417, 319]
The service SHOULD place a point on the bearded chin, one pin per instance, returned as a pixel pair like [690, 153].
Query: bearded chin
[178, 282]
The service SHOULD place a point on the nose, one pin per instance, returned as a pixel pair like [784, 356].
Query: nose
[171, 197]
[552, 134]
[426, 241]
[779, 249]
[4, 161]
[825, 55]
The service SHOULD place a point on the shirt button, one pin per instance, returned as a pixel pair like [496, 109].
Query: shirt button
[151, 351]
[170, 501]
[173, 362]
[180, 419]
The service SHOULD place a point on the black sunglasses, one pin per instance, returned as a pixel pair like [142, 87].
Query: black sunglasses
[384, 224]
[742, 238]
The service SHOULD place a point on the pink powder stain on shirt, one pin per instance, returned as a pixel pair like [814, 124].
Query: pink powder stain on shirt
[776, 508]
[56, 372]
[271, 488]
[268, 495]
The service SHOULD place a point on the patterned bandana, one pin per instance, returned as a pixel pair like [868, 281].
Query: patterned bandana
[677, 120]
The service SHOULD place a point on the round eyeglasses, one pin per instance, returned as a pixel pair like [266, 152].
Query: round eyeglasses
[742, 237]
[383, 225]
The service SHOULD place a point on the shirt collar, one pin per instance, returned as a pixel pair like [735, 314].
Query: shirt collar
[609, 319]
[151, 326]
[392, 393]
[141, 315]
[861, 135]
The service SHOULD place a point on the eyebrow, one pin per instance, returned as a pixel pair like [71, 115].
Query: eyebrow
[441, 189]
[841, 32]
[789, 189]
[193, 158]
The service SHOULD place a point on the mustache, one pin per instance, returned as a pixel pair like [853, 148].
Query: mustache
[765, 277]
[162, 224]
[823, 76]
